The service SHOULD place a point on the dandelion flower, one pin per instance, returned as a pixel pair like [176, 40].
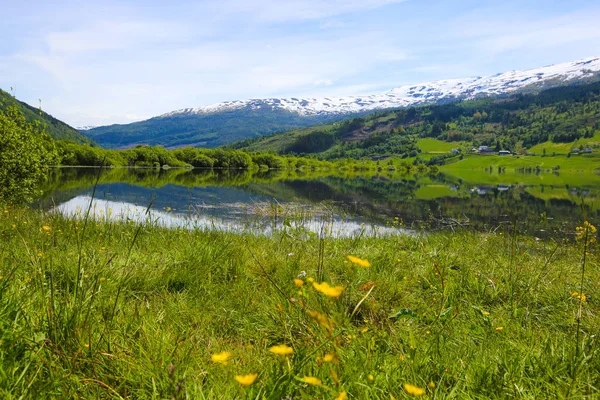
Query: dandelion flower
[281, 350]
[342, 396]
[329, 357]
[370, 378]
[413, 390]
[331, 291]
[46, 228]
[499, 328]
[486, 313]
[311, 380]
[579, 295]
[359, 261]
[298, 282]
[221, 358]
[431, 385]
[246, 380]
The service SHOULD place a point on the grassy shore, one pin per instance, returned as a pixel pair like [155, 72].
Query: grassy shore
[113, 310]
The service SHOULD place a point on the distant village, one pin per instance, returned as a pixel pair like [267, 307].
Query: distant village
[490, 151]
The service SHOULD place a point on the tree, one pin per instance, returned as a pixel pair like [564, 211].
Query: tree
[25, 153]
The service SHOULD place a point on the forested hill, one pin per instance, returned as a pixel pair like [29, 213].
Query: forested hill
[202, 130]
[55, 128]
[516, 123]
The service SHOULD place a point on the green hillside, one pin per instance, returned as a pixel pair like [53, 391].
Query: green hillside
[556, 119]
[201, 130]
[56, 129]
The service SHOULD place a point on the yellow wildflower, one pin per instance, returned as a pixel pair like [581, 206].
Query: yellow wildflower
[588, 230]
[359, 261]
[221, 358]
[281, 350]
[246, 380]
[329, 357]
[311, 280]
[413, 390]
[298, 282]
[46, 228]
[331, 291]
[342, 396]
[370, 378]
[431, 385]
[579, 295]
[311, 380]
[499, 328]
[486, 313]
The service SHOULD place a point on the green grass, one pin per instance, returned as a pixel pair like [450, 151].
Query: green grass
[580, 163]
[428, 145]
[115, 310]
[558, 148]
[564, 148]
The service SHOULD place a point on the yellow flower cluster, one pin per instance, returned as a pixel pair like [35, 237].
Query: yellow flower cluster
[221, 358]
[360, 262]
[246, 380]
[413, 390]
[587, 230]
[311, 380]
[331, 291]
[281, 350]
[579, 296]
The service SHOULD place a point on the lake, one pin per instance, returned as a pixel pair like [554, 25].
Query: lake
[320, 202]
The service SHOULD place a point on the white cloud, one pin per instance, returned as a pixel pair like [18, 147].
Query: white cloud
[495, 35]
[294, 10]
[113, 35]
[323, 82]
[152, 81]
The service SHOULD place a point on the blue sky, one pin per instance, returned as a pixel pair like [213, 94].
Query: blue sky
[95, 63]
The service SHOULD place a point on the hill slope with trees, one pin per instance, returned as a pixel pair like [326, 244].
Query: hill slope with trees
[55, 128]
[516, 123]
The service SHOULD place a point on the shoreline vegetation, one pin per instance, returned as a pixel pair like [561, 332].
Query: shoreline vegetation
[105, 309]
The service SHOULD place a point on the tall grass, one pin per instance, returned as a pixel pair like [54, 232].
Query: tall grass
[136, 311]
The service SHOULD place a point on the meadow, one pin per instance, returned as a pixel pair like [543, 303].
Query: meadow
[91, 308]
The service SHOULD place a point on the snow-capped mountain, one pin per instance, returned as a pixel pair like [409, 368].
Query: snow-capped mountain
[424, 93]
[223, 123]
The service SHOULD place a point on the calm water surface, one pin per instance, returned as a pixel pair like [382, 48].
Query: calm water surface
[338, 205]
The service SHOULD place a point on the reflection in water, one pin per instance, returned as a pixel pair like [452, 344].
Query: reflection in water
[318, 223]
[262, 201]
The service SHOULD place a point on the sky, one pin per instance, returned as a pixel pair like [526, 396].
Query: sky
[93, 63]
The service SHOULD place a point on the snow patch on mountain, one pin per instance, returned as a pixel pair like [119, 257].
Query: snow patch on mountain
[424, 93]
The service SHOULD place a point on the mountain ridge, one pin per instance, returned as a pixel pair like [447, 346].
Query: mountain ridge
[409, 95]
[228, 122]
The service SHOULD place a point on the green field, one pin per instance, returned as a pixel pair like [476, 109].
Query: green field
[579, 163]
[428, 145]
[112, 310]
[565, 148]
